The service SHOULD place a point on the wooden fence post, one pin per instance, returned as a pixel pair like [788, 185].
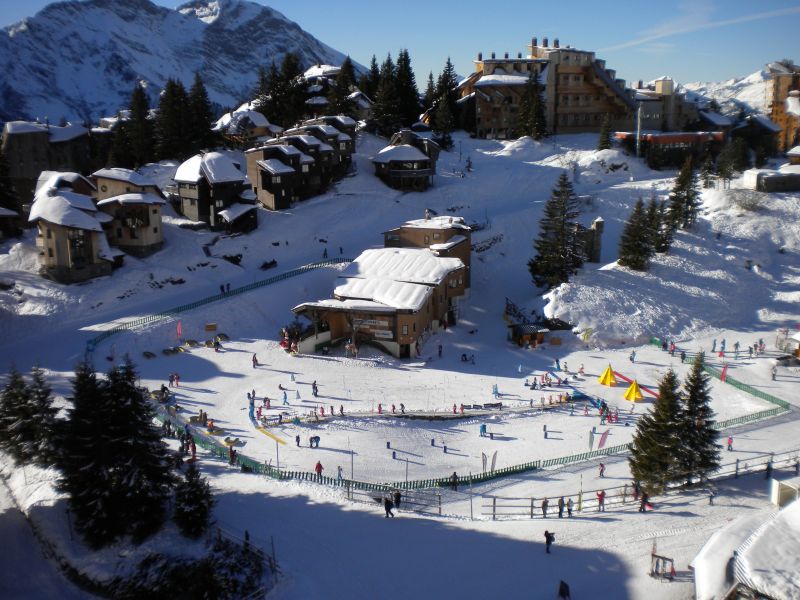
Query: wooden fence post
[494, 507]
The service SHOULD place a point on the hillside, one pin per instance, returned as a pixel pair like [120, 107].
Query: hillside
[741, 93]
[81, 60]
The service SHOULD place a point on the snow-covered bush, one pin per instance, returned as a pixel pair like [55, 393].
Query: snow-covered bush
[749, 200]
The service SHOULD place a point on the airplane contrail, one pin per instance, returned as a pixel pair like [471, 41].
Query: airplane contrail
[709, 25]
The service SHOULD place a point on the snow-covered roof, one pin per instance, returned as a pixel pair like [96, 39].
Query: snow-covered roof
[235, 210]
[68, 132]
[310, 140]
[18, 127]
[214, 166]
[346, 305]
[57, 179]
[322, 71]
[793, 105]
[438, 222]
[361, 100]
[318, 100]
[126, 175]
[397, 294]
[7, 212]
[238, 120]
[401, 152]
[715, 118]
[453, 241]
[412, 265]
[794, 151]
[345, 120]
[766, 122]
[314, 89]
[328, 129]
[58, 210]
[79, 201]
[105, 251]
[274, 166]
[502, 79]
[103, 217]
[133, 198]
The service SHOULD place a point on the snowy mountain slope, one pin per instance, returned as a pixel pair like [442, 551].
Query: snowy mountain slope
[80, 60]
[748, 93]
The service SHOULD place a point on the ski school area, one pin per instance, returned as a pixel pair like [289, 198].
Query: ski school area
[378, 419]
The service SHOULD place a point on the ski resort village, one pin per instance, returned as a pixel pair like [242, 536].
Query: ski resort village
[282, 322]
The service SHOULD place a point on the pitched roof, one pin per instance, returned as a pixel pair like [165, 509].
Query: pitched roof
[235, 210]
[401, 152]
[214, 166]
[58, 210]
[397, 294]
[126, 175]
[274, 166]
[133, 198]
[412, 265]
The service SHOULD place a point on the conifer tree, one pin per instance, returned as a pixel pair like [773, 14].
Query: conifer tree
[386, 110]
[683, 198]
[663, 239]
[193, 503]
[559, 252]
[14, 396]
[443, 125]
[171, 124]
[604, 141]
[114, 465]
[656, 442]
[699, 452]
[27, 419]
[139, 128]
[369, 81]
[347, 74]
[652, 219]
[446, 88]
[199, 117]
[8, 195]
[264, 99]
[634, 244]
[407, 92]
[430, 92]
[339, 102]
[707, 172]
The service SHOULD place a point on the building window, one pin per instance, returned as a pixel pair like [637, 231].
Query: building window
[155, 229]
[436, 236]
[119, 233]
[405, 329]
[103, 188]
[49, 234]
[155, 211]
[276, 179]
[427, 240]
[50, 252]
[414, 327]
[305, 168]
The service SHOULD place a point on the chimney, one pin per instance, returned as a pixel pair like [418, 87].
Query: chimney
[641, 84]
[555, 43]
[492, 55]
[544, 42]
[534, 42]
[505, 55]
[480, 55]
[519, 54]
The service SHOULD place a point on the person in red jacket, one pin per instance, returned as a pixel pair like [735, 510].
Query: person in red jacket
[601, 501]
[318, 469]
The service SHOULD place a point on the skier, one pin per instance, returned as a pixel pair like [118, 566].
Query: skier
[255, 361]
[601, 501]
[632, 356]
[314, 389]
[387, 506]
[177, 380]
[672, 348]
[545, 504]
[380, 408]
[714, 346]
[730, 443]
[396, 497]
[454, 481]
[341, 410]
[563, 590]
[171, 379]
[580, 370]
[644, 501]
[440, 351]
[722, 345]
[339, 475]
[602, 470]
[318, 469]
[402, 408]
[297, 440]
[683, 356]
[774, 372]
[561, 505]
[549, 538]
[393, 409]
[325, 253]
[570, 504]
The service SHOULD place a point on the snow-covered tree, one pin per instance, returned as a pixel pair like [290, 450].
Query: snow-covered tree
[707, 172]
[635, 244]
[699, 453]
[193, 503]
[27, 419]
[683, 198]
[559, 252]
[657, 441]
[114, 466]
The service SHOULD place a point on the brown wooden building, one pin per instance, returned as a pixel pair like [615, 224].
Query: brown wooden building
[783, 101]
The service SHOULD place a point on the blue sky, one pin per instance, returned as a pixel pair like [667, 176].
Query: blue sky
[700, 40]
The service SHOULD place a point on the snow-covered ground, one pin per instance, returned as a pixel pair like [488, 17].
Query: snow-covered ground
[701, 291]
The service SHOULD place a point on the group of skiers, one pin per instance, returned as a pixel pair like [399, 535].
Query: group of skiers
[391, 501]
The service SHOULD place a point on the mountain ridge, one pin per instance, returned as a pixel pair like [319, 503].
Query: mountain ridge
[80, 60]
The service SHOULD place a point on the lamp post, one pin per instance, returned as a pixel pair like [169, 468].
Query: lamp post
[638, 129]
